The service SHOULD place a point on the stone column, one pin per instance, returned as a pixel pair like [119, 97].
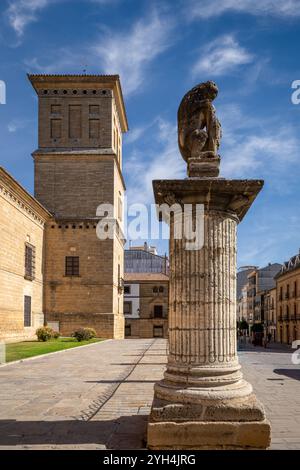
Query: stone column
[203, 402]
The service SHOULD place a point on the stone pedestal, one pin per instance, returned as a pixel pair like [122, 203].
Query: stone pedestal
[203, 402]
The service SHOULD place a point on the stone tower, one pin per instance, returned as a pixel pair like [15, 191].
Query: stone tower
[78, 166]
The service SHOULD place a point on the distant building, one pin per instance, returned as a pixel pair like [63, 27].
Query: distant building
[270, 312]
[288, 301]
[242, 311]
[241, 292]
[260, 282]
[146, 292]
[146, 305]
[242, 278]
[144, 259]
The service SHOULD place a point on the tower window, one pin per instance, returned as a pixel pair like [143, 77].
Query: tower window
[94, 128]
[74, 121]
[55, 128]
[72, 266]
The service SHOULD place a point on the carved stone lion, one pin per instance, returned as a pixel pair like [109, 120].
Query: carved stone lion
[199, 130]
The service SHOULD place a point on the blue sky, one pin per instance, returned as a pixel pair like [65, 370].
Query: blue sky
[161, 49]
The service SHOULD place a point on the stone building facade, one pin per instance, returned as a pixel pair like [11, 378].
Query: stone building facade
[144, 259]
[288, 301]
[22, 232]
[146, 305]
[270, 313]
[260, 281]
[77, 167]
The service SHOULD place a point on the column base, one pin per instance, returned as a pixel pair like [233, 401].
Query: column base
[238, 423]
[208, 435]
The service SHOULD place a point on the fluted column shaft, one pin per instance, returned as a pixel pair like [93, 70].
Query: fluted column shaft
[202, 316]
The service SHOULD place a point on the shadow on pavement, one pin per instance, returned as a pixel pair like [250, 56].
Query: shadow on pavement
[291, 373]
[125, 432]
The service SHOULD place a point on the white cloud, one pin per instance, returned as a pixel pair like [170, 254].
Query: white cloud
[252, 148]
[22, 12]
[129, 53]
[16, 124]
[67, 62]
[221, 56]
[135, 134]
[210, 8]
[163, 162]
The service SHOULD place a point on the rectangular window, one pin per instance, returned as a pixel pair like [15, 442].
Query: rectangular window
[127, 289]
[94, 127]
[158, 331]
[127, 308]
[27, 310]
[74, 121]
[127, 330]
[55, 128]
[72, 265]
[158, 311]
[29, 261]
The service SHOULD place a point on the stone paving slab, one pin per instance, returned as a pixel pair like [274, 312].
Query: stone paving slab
[100, 397]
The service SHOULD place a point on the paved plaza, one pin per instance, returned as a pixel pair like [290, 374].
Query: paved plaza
[99, 396]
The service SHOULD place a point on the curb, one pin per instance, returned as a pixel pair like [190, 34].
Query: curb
[51, 353]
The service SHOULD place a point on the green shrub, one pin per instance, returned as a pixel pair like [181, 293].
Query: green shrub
[44, 333]
[84, 334]
[55, 334]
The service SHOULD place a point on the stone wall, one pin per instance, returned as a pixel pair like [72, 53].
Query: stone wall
[72, 185]
[22, 221]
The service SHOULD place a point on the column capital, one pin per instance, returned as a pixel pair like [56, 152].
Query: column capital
[219, 194]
